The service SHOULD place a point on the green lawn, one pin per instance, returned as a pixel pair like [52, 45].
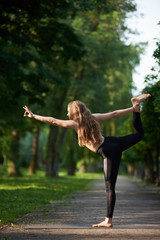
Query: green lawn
[21, 195]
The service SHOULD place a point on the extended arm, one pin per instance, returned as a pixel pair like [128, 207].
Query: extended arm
[50, 120]
[117, 113]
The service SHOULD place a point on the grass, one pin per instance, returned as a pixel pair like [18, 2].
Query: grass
[22, 195]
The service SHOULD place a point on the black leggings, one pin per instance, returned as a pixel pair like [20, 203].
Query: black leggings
[111, 150]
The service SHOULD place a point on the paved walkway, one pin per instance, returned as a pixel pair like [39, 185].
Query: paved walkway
[136, 216]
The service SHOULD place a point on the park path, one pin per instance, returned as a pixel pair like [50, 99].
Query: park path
[136, 216]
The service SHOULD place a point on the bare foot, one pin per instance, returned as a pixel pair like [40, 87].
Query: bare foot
[106, 223]
[139, 99]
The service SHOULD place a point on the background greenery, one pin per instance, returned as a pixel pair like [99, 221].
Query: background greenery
[53, 52]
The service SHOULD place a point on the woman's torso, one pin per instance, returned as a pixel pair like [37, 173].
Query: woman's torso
[93, 147]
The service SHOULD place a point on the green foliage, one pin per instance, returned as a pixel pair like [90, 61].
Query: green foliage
[58, 51]
[33, 37]
[19, 196]
[28, 33]
[156, 53]
[145, 156]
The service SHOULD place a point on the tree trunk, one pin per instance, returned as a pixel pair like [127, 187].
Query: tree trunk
[151, 166]
[4, 159]
[34, 157]
[157, 166]
[135, 174]
[72, 164]
[13, 168]
[146, 174]
[49, 151]
[57, 155]
[146, 169]
[55, 164]
[130, 169]
[83, 166]
[72, 168]
[52, 142]
[53, 134]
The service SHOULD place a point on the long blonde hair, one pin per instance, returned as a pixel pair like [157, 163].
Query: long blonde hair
[89, 131]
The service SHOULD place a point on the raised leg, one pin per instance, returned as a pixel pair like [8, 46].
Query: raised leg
[131, 139]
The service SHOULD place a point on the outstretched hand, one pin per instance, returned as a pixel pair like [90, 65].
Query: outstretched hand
[27, 112]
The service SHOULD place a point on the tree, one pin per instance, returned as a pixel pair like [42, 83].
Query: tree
[58, 51]
[104, 75]
[151, 115]
[24, 50]
[147, 152]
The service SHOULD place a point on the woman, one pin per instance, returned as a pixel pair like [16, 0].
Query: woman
[109, 148]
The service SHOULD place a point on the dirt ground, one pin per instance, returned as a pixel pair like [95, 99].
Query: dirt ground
[136, 216]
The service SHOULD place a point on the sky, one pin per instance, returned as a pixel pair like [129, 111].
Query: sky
[145, 21]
